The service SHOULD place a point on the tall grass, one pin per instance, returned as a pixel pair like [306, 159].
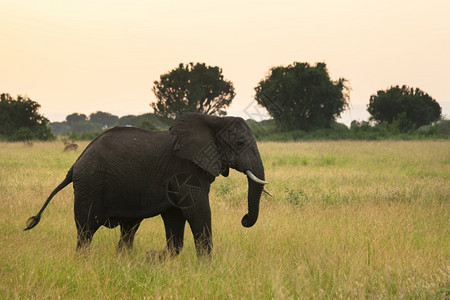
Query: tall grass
[349, 220]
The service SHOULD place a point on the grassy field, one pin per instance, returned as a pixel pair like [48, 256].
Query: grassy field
[348, 220]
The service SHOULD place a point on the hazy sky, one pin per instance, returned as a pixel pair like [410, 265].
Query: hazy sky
[85, 56]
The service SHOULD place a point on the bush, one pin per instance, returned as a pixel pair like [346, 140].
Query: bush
[443, 127]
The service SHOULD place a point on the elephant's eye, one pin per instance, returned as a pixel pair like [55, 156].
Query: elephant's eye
[240, 142]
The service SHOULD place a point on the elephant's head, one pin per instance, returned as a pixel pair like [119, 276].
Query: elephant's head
[215, 144]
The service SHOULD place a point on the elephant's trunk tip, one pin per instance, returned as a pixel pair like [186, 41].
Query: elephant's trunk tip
[246, 222]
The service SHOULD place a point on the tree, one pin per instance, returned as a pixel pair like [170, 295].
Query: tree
[405, 107]
[83, 126]
[104, 118]
[147, 124]
[192, 88]
[59, 128]
[143, 121]
[301, 96]
[75, 117]
[20, 119]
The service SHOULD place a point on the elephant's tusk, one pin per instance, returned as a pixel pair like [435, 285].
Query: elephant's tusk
[267, 192]
[254, 178]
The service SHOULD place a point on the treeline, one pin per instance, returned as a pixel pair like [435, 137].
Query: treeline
[20, 120]
[81, 127]
[302, 100]
[268, 131]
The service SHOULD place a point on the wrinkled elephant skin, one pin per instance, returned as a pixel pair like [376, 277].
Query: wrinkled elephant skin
[128, 174]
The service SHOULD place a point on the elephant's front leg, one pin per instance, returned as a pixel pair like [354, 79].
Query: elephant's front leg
[200, 223]
[174, 223]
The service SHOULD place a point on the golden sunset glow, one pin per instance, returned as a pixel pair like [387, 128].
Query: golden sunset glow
[84, 56]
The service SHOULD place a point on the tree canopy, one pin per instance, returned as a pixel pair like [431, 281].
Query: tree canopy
[20, 119]
[75, 117]
[301, 96]
[408, 107]
[192, 88]
[103, 118]
[78, 125]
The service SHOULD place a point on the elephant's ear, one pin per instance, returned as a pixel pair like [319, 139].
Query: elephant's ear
[195, 141]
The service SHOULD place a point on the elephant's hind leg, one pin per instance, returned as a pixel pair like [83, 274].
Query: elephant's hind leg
[85, 235]
[128, 228]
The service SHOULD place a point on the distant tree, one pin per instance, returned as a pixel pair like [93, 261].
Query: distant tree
[83, 126]
[59, 128]
[75, 117]
[20, 119]
[149, 125]
[192, 88]
[301, 96]
[104, 118]
[404, 106]
[144, 120]
[128, 120]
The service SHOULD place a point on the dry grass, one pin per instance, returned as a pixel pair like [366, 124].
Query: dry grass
[349, 220]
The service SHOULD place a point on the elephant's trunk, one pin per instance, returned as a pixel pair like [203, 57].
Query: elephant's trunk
[254, 195]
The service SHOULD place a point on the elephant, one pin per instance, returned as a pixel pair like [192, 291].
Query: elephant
[128, 174]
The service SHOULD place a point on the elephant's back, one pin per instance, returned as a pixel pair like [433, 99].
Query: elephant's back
[125, 149]
[129, 143]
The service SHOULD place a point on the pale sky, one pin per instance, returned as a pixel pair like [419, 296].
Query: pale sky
[84, 56]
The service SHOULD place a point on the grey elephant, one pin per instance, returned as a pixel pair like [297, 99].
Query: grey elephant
[128, 174]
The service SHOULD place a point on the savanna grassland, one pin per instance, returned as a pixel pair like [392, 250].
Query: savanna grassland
[348, 220]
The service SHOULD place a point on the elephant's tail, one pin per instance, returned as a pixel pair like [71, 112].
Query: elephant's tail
[33, 221]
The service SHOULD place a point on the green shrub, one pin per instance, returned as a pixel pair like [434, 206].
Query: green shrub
[357, 131]
[296, 197]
